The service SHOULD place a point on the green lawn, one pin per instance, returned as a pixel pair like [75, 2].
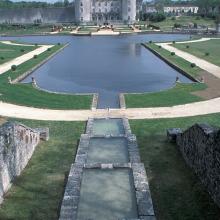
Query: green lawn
[25, 94]
[38, 192]
[176, 191]
[9, 52]
[180, 94]
[200, 49]
[167, 24]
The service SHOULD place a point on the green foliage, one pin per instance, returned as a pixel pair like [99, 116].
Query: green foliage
[193, 65]
[172, 53]
[155, 17]
[13, 67]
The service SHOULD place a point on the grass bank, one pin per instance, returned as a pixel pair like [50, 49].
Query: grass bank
[9, 52]
[38, 192]
[177, 193]
[207, 50]
[180, 94]
[25, 94]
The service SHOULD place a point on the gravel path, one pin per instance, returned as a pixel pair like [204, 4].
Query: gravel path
[192, 109]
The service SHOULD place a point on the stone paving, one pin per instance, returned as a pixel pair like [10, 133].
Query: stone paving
[71, 197]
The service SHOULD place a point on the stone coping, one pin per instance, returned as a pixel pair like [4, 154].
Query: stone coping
[83, 148]
[72, 192]
[90, 123]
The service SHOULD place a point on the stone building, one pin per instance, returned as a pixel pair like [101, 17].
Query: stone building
[107, 11]
[181, 9]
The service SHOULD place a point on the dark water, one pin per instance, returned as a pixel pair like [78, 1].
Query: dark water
[105, 65]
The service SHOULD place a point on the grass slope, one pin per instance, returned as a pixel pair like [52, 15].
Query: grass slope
[180, 94]
[176, 191]
[200, 49]
[38, 192]
[25, 94]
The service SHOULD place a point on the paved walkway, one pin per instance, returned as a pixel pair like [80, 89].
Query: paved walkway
[19, 60]
[203, 64]
[105, 32]
[196, 41]
[193, 109]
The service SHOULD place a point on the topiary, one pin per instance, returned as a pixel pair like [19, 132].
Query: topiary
[150, 41]
[172, 53]
[13, 67]
[35, 56]
[207, 54]
[22, 50]
[193, 65]
[187, 46]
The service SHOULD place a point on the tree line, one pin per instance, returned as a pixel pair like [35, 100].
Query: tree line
[33, 4]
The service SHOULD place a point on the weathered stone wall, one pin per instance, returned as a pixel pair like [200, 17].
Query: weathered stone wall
[200, 147]
[17, 144]
[31, 15]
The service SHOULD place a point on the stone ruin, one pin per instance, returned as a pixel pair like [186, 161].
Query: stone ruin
[17, 144]
[200, 147]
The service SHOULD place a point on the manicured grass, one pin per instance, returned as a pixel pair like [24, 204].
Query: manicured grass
[25, 94]
[167, 24]
[180, 62]
[180, 94]
[9, 52]
[38, 192]
[200, 49]
[177, 193]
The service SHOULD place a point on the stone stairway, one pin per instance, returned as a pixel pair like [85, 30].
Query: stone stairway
[107, 182]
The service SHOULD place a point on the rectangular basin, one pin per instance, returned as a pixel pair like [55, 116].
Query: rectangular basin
[107, 194]
[108, 150]
[108, 127]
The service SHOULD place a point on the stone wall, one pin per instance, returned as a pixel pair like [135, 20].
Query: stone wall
[200, 147]
[17, 144]
[31, 15]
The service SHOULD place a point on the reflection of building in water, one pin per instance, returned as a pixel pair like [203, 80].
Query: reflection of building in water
[135, 49]
[107, 11]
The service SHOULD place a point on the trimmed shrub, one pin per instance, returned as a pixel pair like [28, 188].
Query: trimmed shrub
[172, 53]
[22, 50]
[48, 49]
[36, 45]
[159, 47]
[13, 67]
[207, 54]
[2, 58]
[58, 43]
[150, 41]
[35, 56]
[193, 65]
[187, 46]
[174, 42]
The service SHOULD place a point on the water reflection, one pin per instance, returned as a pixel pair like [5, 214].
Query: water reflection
[105, 65]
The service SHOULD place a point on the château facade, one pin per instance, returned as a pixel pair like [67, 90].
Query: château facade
[107, 11]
